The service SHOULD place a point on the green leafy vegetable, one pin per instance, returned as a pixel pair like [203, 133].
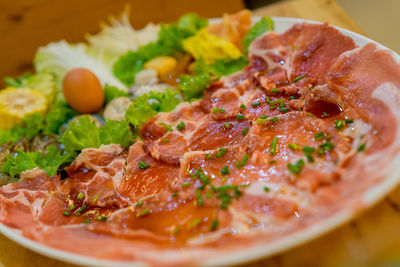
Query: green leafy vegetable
[16, 82]
[114, 132]
[221, 67]
[111, 92]
[30, 127]
[193, 86]
[169, 41]
[148, 105]
[23, 161]
[58, 114]
[265, 24]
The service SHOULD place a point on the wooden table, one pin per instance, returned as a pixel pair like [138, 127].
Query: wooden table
[373, 238]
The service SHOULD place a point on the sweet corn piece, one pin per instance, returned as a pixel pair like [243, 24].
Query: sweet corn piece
[162, 64]
[15, 104]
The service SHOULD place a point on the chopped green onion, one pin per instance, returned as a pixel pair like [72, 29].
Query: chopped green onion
[225, 170]
[361, 148]
[266, 189]
[260, 121]
[293, 146]
[242, 106]
[194, 223]
[174, 194]
[143, 165]
[310, 114]
[71, 207]
[67, 213]
[275, 91]
[80, 195]
[186, 184]
[240, 164]
[227, 125]
[214, 225]
[175, 230]
[245, 131]
[208, 156]
[299, 78]
[348, 121]
[272, 107]
[319, 136]
[264, 117]
[139, 203]
[165, 140]
[167, 127]
[221, 152]
[272, 162]
[274, 119]
[308, 149]
[320, 151]
[273, 146]
[296, 168]
[240, 117]
[143, 212]
[309, 158]
[284, 110]
[255, 104]
[277, 101]
[199, 198]
[181, 126]
[292, 97]
[215, 110]
[324, 114]
[222, 110]
[339, 124]
[328, 146]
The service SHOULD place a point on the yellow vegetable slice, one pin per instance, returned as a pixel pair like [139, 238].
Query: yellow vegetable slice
[15, 104]
[210, 47]
[162, 64]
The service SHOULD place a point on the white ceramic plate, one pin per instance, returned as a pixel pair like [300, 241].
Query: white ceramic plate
[256, 252]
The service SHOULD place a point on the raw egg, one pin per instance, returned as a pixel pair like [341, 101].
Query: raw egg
[82, 90]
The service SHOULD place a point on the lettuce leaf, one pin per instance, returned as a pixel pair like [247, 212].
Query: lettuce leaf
[169, 41]
[23, 161]
[192, 86]
[114, 132]
[30, 127]
[58, 114]
[81, 134]
[111, 92]
[148, 105]
[221, 67]
[16, 82]
[265, 24]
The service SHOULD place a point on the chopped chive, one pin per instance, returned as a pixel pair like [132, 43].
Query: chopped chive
[181, 126]
[227, 125]
[310, 114]
[194, 223]
[296, 168]
[361, 148]
[309, 158]
[328, 146]
[143, 212]
[267, 100]
[224, 179]
[319, 136]
[86, 221]
[208, 156]
[186, 184]
[222, 110]
[348, 121]
[81, 209]
[282, 105]
[324, 114]
[101, 218]
[274, 119]
[242, 106]
[293, 146]
[299, 78]
[139, 203]
[67, 213]
[292, 97]
[221, 152]
[240, 164]
[80, 195]
[225, 170]
[272, 162]
[264, 117]
[260, 121]
[199, 198]
[143, 165]
[255, 104]
[308, 149]
[175, 230]
[174, 195]
[165, 140]
[339, 124]
[96, 197]
[272, 107]
[245, 131]
[284, 110]
[273, 146]
[71, 207]
[167, 127]
[214, 225]
[320, 151]
[266, 189]
[215, 110]
[240, 117]
[275, 91]
[277, 101]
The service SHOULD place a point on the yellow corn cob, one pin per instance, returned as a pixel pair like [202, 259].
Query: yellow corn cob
[162, 64]
[15, 104]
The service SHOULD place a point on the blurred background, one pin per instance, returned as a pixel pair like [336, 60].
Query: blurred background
[27, 24]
